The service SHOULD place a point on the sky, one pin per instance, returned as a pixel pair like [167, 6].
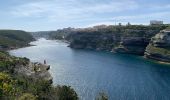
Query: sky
[43, 15]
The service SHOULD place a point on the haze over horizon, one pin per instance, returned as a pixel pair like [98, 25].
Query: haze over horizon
[37, 15]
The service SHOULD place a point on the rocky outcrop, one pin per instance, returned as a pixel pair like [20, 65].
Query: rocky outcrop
[159, 47]
[24, 67]
[93, 40]
[132, 45]
[34, 71]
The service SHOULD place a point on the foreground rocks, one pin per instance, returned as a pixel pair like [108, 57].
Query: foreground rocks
[24, 67]
[35, 71]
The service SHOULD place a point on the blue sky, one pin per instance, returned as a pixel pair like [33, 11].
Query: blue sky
[36, 15]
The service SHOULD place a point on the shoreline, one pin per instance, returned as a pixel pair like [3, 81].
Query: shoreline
[43, 69]
[156, 61]
[113, 52]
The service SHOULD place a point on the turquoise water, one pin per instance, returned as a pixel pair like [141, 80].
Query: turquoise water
[120, 76]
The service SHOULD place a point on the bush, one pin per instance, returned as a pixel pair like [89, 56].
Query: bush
[66, 93]
[27, 96]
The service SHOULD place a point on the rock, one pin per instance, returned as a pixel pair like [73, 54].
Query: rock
[132, 45]
[159, 47]
[162, 39]
[35, 71]
[132, 40]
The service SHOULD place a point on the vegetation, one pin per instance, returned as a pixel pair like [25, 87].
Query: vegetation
[158, 50]
[129, 30]
[168, 28]
[14, 38]
[27, 96]
[15, 86]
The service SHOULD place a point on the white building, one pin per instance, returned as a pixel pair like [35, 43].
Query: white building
[156, 22]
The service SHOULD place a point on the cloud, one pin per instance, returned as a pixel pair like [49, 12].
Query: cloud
[68, 13]
[113, 6]
[159, 7]
[70, 9]
[31, 9]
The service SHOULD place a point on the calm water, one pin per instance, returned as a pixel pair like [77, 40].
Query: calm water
[121, 77]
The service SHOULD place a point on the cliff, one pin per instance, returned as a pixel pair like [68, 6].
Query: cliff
[35, 71]
[131, 39]
[159, 47]
[132, 45]
[120, 39]
[23, 66]
[21, 79]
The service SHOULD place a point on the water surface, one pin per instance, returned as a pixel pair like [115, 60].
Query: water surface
[121, 77]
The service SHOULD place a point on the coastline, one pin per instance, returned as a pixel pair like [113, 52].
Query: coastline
[42, 70]
[133, 62]
[114, 52]
[156, 61]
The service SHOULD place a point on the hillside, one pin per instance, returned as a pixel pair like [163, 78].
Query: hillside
[14, 38]
[132, 39]
[21, 79]
[58, 34]
[123, 39]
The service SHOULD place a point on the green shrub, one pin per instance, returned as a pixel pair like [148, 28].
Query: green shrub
[27, 96]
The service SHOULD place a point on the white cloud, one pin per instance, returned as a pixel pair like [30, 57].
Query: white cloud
[159, 7]
[70, 9]
[83, 12]
[115, 6]
[31, 9]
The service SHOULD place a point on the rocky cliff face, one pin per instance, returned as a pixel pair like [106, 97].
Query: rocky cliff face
[132, 45]
[131, 39]
[23, 66]
[34, 70]
[93, 41]
[159, 47]
[121, 41]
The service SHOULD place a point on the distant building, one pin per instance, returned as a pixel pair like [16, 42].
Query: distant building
[45, 62]
[120, 24]
[128, 24]
[156, 22]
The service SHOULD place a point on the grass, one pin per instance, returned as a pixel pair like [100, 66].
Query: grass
[157, 50]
